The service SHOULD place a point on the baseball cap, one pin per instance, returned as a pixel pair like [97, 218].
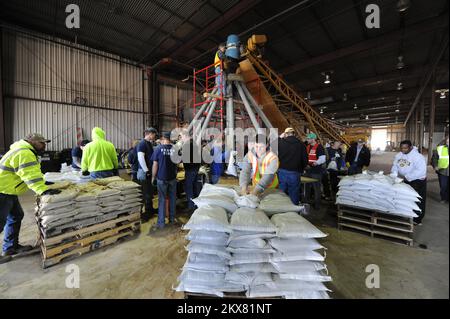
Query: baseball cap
[289, 130]
[36, 137]
[311, 136]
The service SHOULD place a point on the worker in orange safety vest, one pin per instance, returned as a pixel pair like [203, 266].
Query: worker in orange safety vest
[260, 167]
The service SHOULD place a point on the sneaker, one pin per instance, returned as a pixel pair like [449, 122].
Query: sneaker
[5, 259]
[17, 250]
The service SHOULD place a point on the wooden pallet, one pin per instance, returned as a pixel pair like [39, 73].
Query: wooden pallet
[376, 223]
[55, 250]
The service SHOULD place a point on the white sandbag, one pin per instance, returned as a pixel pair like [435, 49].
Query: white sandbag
[307, 276]
[248, 219]
[111, 203]
[407, 204]
[208, 237]
[107, 193]
[86, 215]
[297, 266]
[276, 203]
[208, 249]
[108, 209]
[85, 204]
[197, 276]
[211, 218]
[290, 225]
[60, 185]
[250, 201]
[56, 211]
[52, 218]
[249, 278]
[297, 256]
[265, 250]
[50, 206]
[253, 267]
[405, 189]
[244, 258]
[247, 243]
[198, 288]
[64, 196]
[404, 212]
[131, 191]
[247, 235]
[296, 285]
[86, 197]
[225, 202]
[209, 189]
[202, 257]
[293, 244]
[307, 294]
[130, 197]
[130, 206]
[231, 169]
[208, 266]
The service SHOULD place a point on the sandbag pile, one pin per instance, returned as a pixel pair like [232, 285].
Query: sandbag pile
[239, 249]
[82, 201]
[378, 192]
[208, 260]
[276, 201]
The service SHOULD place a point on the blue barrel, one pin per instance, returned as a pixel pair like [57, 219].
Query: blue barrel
[233, 47]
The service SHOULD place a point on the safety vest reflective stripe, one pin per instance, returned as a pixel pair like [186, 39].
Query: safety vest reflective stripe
[442, 151]
[32, 181]
[217, 59]
[12, 169]
[256, 176]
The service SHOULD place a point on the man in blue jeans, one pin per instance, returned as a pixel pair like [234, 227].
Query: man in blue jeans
[164, 174]
[293, 160]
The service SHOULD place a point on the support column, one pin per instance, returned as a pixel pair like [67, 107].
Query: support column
[421, 125]
[416, 128]
[432, 118]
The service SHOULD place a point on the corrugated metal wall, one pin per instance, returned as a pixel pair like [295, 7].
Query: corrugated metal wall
[171, 97]
[52, 88]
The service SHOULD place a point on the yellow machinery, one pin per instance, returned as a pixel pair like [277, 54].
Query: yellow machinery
[316, 122]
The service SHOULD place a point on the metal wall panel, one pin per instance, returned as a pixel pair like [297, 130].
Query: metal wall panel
[52, 88]
[45, 70]
[59, 123]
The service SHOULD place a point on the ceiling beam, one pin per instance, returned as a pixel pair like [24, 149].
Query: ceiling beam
[216, 25]
[384, 40]
[410, 73]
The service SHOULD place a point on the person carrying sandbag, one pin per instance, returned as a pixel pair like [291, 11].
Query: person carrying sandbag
[260, 167]
[20, 171]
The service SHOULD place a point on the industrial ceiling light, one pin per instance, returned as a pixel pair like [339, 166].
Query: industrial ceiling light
[355, 106]
[345, 97]
[399, 86]
[403, 5]
[367, 117]
[327, 79]
[443, 96]
[348, 123]
[332, 117]
[398, 101]
[321, 110]
[397, 110]
[400, 63]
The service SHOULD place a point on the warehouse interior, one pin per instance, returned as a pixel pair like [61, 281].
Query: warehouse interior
[136, 64]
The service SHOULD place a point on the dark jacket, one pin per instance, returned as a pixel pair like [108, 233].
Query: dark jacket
[364, 155]
[292, 154]
[332, 157]
[192, 160]
[435, 160]
[133, 160]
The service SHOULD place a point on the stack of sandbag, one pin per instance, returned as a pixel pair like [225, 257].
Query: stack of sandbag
[275, 201]
[250, 251]
[220, 196]
[84, 201]
[207, 260]
[378, 192]
[298, 269]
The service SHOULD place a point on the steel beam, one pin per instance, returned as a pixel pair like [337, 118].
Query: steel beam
[384, 40]
[431, 119]
[219, 23]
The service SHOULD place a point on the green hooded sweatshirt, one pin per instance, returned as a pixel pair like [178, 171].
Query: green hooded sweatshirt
[99, 155]
[20, 170]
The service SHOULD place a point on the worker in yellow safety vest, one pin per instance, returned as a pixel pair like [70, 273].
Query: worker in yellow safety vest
[260, 167]
[439, 161]
[20, 171]
[219, 59]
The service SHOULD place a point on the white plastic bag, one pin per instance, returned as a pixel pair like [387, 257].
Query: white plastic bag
[292, 225]
[223, 201]
[210, 218]
[253, 220]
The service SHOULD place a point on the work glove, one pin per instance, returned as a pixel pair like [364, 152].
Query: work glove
[347, 164]
[85, 173]
[51, 192]
[49, 183]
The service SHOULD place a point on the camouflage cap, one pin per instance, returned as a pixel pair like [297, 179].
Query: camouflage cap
[36, 137]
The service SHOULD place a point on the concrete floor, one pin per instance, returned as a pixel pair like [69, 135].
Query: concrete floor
[147, 267]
